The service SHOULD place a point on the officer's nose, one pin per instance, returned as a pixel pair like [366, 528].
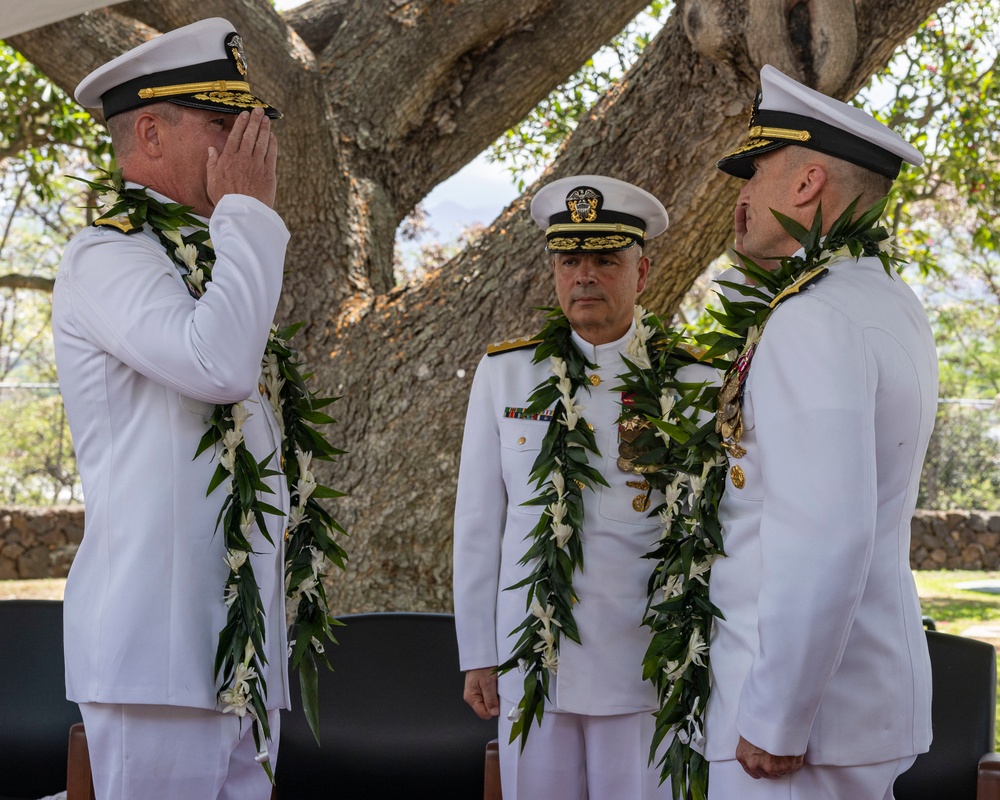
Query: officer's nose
[586, 274]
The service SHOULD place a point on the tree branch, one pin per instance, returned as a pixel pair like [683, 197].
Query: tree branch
[31, 282]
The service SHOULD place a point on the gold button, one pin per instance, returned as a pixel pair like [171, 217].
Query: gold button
[522, 440]
[595, 380]
[737, 476]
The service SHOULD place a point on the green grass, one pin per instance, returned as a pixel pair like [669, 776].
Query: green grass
[956, 610]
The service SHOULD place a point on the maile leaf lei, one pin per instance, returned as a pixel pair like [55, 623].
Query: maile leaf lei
[561, 473]
[310, 547]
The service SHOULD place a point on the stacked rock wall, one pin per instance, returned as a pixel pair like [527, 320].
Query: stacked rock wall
[41, 542]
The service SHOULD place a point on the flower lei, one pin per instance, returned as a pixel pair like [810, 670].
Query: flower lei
[681, 453]
[561, 472]
[310, 549]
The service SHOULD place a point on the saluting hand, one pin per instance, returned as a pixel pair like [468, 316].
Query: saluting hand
[246, 164]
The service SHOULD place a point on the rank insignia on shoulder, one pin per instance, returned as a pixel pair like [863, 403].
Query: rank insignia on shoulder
[801, 283]
[697, 353]
[511, 344]
[119, 222]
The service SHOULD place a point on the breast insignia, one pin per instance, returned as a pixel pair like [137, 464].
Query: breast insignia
[511, 344]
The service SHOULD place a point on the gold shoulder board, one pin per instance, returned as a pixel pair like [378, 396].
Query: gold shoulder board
[697, 353]
[119, 222]
[511, 344]
[801, 283]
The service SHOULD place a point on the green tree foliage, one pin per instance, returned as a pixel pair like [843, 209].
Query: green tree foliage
[534, 143]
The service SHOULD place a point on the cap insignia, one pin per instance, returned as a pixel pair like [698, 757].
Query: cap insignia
[234, 49]
[584, 203]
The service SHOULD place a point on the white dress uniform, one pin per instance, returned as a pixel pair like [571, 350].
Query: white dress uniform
[141, 365]
[821, 649]
[602, 676]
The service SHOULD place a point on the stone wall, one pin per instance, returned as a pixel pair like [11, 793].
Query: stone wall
[41, 542]
[955, 540]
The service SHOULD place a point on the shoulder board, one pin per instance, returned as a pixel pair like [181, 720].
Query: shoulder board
[511, 344]
[697, 353]
[119, 222]
[801, 283]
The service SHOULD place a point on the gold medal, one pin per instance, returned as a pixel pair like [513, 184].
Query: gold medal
[737, 476]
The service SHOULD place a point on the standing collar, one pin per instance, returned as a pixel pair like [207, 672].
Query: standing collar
[603, 354]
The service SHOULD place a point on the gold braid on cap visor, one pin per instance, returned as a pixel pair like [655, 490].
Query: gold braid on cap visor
[605, 227]
[762, 132]
[191, 88]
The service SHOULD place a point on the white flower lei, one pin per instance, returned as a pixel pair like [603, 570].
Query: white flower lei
[310, 548]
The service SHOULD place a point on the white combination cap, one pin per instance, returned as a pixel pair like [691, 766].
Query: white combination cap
[787, 112]
[201, 65]
[594, 213]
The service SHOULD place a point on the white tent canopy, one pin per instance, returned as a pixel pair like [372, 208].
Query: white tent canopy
[22, 15]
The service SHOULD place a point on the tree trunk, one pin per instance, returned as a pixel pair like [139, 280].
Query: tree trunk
[383, 101]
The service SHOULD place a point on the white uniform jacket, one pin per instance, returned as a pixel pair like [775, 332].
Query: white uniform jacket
[602, 676]
[821, 650]
[141, 364]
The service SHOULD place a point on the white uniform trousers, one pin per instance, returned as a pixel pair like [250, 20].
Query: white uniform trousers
[728, 781]
[581, 757]
[152, 752]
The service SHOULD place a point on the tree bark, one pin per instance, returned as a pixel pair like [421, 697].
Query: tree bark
[385, 99]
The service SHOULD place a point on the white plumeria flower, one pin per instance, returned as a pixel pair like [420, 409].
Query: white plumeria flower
[573, 412]
[697, 649]
[188, 254]
[109, 198]
[231, 594]
[235, 702]
[232, 438]
[558, 367]
[673, 587]
[667, 401]
[550, 660]
[247, 522]
[244, 674]
[559, 482]
[305, 486]
[558, 511]
[196, 277]
[309, 588]
[228, 461]
[175, 237]
[236, 559]
[544, 614]
[635, 350]
[296, 516]
[697, 484]
[699, 569]
[672, 495]
[317, 561]
[522, 667]
[305, 461]
[562, 533]
[240, 415]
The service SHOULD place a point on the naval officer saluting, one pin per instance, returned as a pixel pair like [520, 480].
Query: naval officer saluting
[145, 350]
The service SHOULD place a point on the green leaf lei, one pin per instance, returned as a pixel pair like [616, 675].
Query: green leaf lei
[682, 454]
[310, 547]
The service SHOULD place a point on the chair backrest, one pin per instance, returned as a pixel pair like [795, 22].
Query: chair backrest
[963, 714]
[392, 719]
[35, 715]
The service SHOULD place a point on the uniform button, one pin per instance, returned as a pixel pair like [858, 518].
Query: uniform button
[595, 380]
[522, 440]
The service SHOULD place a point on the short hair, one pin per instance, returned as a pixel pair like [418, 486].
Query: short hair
[855, 180]
[122, 126]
